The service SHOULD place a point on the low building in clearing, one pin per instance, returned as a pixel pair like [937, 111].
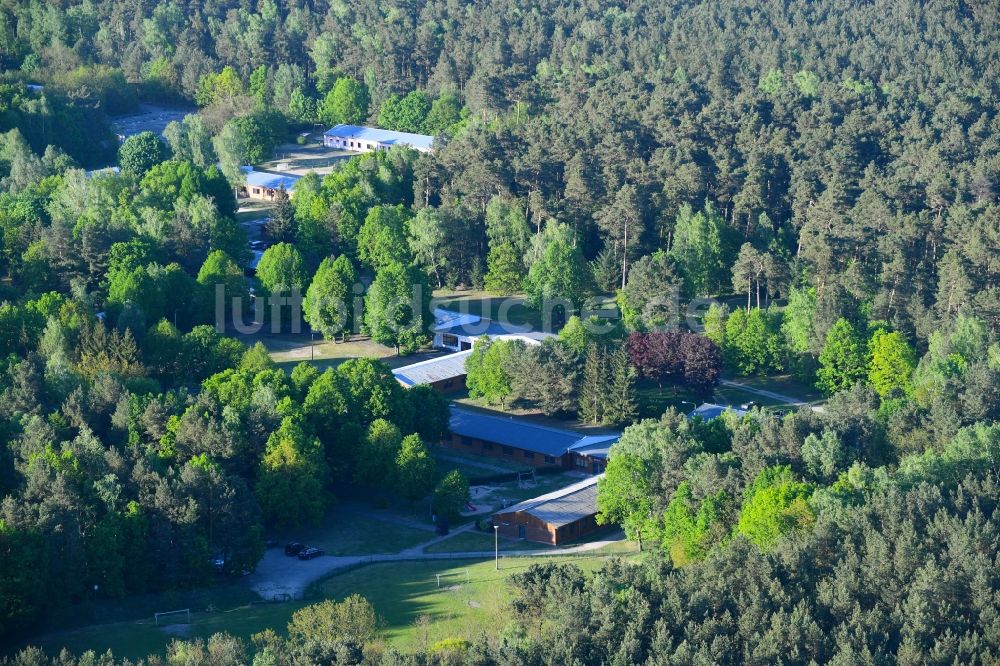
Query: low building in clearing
[459, 331]
[360, 139]
[445, 374]
[564, 515]
[527, 443]
[265, 186]
[708, 411]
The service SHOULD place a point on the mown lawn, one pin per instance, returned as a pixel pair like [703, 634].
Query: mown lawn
[401, 592]
[489, 305]
[289, 350]
[344, 532]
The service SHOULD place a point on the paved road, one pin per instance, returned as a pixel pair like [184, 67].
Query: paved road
[279, 577]
[765, 393]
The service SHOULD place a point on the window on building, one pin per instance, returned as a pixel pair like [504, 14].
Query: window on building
[447, 383]
[549, 460]
[508, 451]
[581, 461]
[487, 446]
[256, 190]
[467, 441]
[529, 454]
[449, 340]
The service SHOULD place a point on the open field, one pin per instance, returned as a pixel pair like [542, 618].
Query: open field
[347, 531]
[488, 305]
[288, 350]
[782, 384]
[401, 592]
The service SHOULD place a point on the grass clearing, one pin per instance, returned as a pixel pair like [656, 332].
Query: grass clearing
[288, 350]
[346, 532]
[489, 306]
[401, 592]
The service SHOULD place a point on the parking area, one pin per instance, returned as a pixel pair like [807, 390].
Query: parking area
[299, 160]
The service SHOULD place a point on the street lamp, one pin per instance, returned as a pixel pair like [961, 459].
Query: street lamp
[496, 544]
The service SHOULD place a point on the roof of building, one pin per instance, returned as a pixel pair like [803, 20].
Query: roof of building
[563, 506]
[446, 318]
[272, 181]
[508, 431]
[709, 411]
[479, 328]
[383, 136]
[433, 370]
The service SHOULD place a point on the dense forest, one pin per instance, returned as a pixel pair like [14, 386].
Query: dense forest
[828, 169]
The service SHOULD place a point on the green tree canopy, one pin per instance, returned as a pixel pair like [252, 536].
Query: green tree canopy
[141, 152]
[397, 308]
[844, 359]
[775, 504]
[329, 306]
[347, 102]
[281, 268]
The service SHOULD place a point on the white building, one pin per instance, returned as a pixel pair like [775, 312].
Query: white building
[265, 186]
[358, 139]
[459, 331]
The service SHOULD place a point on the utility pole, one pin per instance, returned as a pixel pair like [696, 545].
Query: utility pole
[496, 544]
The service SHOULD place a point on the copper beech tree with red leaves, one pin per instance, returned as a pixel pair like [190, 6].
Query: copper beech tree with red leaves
[681, 358]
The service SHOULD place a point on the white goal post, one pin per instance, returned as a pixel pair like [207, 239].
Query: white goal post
[447, 574]
[186, 611]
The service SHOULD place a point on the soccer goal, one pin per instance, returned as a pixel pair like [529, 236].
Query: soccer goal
[164, 617]
[461, 574]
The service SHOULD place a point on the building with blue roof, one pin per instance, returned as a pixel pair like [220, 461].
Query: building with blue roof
[360, 139]
[519, 440]
[264, 185]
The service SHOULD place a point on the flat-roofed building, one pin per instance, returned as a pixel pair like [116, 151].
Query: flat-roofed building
[524, 442]
[445, 374]
[563, 515]
[265, 186]
[360, 139]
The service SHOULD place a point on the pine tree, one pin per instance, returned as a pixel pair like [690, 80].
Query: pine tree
[594, 387]
[281, 227]
[621, 404]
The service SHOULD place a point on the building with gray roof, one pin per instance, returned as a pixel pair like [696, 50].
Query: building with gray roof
[444, 374]
[553, 518]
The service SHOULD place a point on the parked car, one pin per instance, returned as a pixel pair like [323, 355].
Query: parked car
[219, 563]
[747, 406]
[294, 548]
[311, 553]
